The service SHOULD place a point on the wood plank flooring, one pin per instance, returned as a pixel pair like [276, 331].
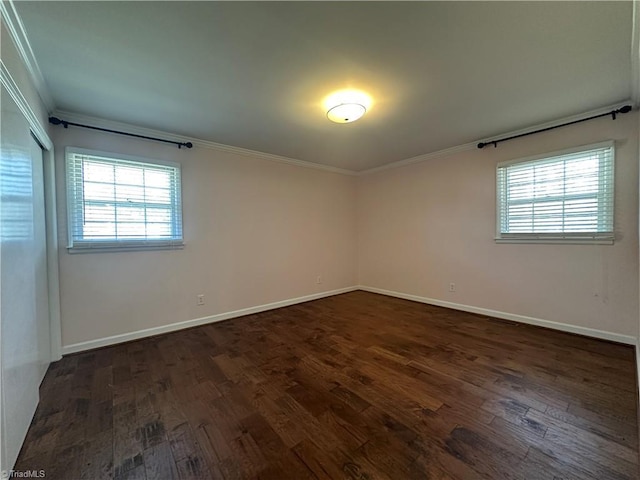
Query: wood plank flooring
[356, 386]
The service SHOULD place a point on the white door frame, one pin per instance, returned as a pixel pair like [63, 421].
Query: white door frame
[53, 278]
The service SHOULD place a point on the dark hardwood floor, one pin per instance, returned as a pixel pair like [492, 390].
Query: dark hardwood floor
[356, 386]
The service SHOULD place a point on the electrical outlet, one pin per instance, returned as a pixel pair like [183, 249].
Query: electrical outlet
[452, 287]
[200, 299]
[319, 280]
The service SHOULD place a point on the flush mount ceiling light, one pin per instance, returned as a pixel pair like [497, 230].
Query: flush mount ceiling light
[346, 112]
[346, 106]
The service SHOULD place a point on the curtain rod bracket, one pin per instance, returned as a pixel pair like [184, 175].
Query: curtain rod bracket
[613, 113]
[65, 124]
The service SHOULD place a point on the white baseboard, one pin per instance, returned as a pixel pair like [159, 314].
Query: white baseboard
[149, 332]
[564, 327]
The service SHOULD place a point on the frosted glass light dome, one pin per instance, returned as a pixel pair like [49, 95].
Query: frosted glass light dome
[346, 112]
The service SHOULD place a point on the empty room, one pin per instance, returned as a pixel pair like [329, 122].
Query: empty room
[319, 240]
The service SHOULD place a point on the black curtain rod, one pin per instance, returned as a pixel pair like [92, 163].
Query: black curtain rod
[65, 124]
[613, 113]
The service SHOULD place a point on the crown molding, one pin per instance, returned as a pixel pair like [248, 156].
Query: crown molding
[197, 142]
[19, 37]
[635, 55]
[558, 122]
[420, 158]
[473, 145]
[34, 123]
[271, 157]
[100, 122]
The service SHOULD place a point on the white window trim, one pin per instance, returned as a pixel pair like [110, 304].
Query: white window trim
[555, 238]
[118, 245]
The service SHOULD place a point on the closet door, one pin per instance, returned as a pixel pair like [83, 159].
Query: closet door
[24, 304]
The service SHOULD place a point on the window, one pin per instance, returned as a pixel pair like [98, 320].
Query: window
[562, 197]
[117, 202]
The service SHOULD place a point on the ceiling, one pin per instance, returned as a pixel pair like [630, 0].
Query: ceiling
[254, 74]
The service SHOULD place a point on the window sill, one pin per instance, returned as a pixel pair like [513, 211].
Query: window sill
[123, 248]
[557, 240]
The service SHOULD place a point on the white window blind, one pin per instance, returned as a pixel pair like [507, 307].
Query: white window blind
[122, 203]
[566, 196]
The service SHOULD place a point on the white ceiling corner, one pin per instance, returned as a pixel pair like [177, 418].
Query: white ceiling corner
[19, 36]
[197, 142]
[474, 145]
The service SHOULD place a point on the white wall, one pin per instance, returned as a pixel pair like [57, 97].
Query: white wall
[259, 232]
[256, 232]
[425, 225]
